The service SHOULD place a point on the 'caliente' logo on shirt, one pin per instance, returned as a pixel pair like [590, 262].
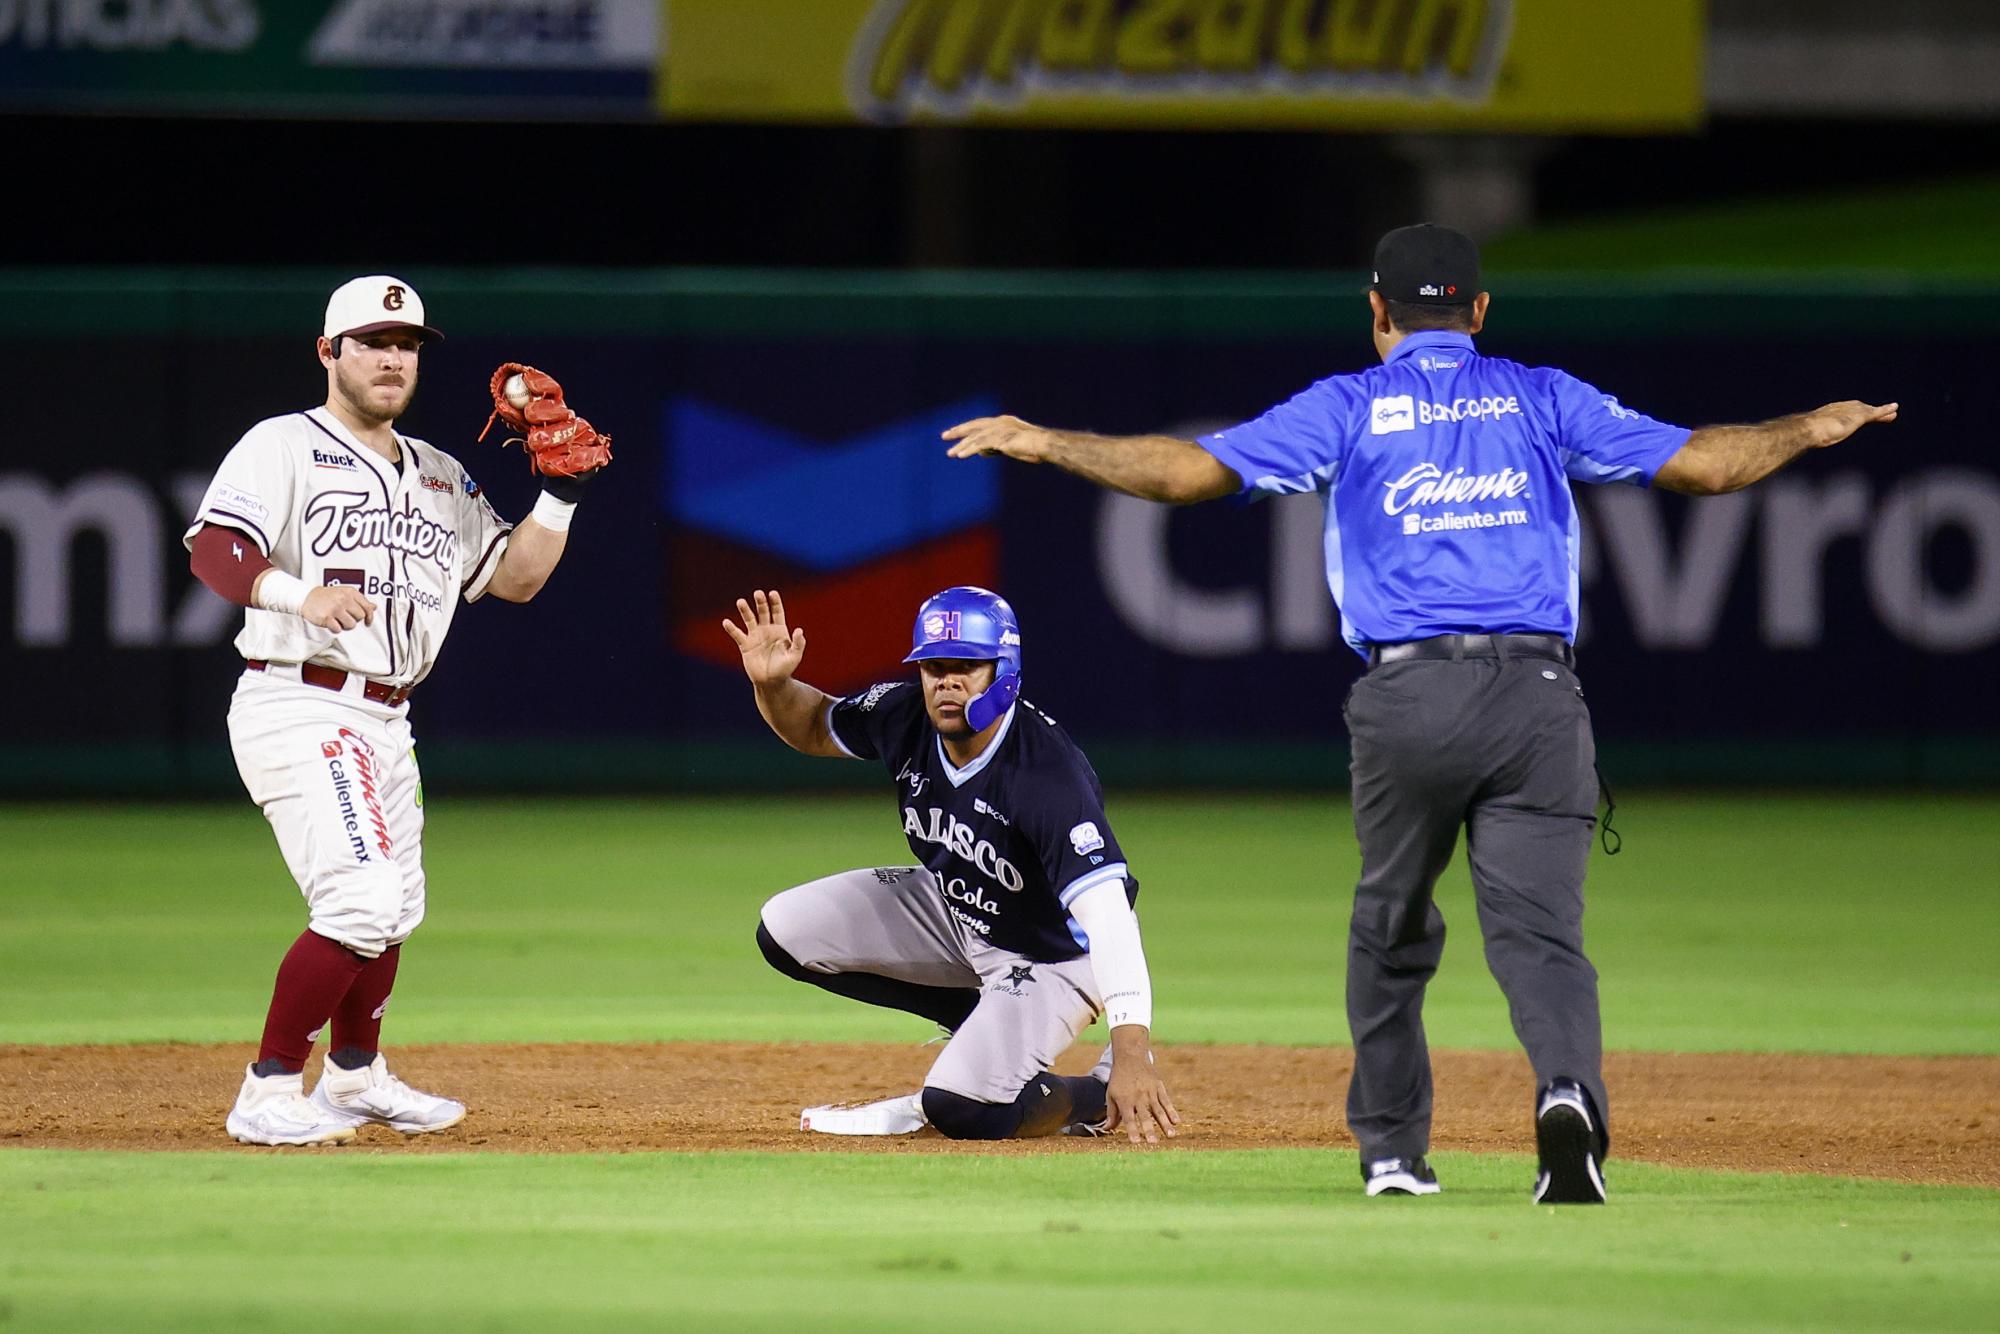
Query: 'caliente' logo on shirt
[1428, 484]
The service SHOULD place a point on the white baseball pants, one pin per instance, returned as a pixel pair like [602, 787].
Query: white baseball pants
[336, 775]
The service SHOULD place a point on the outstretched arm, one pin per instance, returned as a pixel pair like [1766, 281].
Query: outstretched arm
[771, 653]
[1152, 467]
[1136, 1098]
[1719, 459]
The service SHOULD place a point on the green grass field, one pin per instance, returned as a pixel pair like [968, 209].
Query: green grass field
[1823, 923]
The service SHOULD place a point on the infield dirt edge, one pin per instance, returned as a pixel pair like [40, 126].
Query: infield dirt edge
[1898, 1118]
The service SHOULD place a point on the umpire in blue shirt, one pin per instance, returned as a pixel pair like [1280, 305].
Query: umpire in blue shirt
[1451, 549]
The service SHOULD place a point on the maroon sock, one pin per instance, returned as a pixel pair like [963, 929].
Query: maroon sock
[357, 1020]
[316, 973]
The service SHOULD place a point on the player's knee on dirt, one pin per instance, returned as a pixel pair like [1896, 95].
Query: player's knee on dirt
[1044, 1107]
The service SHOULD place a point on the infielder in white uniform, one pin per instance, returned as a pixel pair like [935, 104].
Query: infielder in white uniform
[350, 546]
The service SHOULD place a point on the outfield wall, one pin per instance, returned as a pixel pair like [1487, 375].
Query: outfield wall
[1839, 624]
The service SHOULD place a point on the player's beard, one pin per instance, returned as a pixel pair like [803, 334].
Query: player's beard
[355, 391]
[956, 725]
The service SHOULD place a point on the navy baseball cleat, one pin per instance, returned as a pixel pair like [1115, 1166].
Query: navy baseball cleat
[1400, 1176]
[1566, 1136]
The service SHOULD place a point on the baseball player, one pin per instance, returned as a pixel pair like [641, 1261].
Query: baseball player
[1451, 547]
[1017, 927]
[350, 546]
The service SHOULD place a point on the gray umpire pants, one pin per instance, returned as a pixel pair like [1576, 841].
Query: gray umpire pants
[1502, 748]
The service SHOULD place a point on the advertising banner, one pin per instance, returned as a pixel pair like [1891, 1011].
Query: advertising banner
[1840, 622]
[363, 58]
[1511, 65]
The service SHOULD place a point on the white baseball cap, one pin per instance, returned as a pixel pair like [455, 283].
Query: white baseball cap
[374, 303]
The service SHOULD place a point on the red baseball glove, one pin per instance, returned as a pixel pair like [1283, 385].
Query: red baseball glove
[559, 443]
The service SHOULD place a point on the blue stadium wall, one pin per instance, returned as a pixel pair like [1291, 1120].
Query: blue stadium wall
[1839, 624]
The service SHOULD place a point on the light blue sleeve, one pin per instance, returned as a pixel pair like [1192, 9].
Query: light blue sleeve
[1295, 447]
[1604, 441]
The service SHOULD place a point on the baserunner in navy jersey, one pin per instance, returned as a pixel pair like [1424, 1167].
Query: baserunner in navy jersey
[1014, 931]
[1451, 549]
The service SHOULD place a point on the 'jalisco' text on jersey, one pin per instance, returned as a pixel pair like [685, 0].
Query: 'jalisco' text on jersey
[413, 537]
[1447, 479]
[1013, 837]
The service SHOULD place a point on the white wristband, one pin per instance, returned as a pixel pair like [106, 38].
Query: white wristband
[553, 514]
[1116, 956]
[278, 591]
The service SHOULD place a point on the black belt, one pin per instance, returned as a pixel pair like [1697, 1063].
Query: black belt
[1454, 647]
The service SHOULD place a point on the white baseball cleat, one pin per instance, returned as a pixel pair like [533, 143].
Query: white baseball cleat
[891, 1116]
[274, 1109]
[372, 1094]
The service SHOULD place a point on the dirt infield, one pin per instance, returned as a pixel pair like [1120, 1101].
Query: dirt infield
[1928, 1119]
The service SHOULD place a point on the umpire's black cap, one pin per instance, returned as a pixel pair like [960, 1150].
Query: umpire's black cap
[1427, 265]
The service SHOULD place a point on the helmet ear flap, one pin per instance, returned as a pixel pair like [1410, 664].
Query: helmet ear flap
[994, 701]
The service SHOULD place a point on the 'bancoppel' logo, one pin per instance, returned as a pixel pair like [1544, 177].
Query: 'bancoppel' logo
[1489, 408]
[1387, 415]
[1085, 838]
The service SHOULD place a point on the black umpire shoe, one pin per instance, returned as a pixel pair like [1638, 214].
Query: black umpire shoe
[1400, 1176]
[1566, 1135]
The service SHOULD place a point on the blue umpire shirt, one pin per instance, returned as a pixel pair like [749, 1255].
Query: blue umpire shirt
[1447, 478]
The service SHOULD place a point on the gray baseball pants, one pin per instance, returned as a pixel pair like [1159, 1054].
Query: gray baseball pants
[1502, 748]
[892, 921]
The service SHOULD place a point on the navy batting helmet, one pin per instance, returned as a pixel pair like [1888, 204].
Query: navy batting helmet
[977, 625]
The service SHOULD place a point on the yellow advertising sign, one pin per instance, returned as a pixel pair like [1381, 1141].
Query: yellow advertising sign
[1515, 65]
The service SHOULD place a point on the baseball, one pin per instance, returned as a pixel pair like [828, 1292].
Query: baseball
[516, 390]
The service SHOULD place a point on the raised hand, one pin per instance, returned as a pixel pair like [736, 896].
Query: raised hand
[771, 650]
